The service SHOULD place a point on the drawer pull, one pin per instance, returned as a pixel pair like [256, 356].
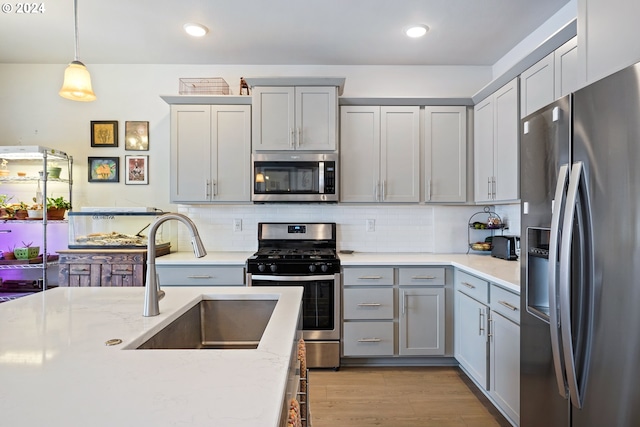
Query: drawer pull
[370, 277]
[369, 340]
[509, 306]
[369, 304]
[202, 276]
[423, 277]
[79, 269]
[468, 285]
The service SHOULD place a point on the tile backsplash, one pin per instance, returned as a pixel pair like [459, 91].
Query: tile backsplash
[368, 228]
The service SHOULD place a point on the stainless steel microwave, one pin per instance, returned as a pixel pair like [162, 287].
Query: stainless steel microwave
[294, 177]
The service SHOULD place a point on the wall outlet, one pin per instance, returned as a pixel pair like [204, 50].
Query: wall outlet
[237, 224]
[371, 225]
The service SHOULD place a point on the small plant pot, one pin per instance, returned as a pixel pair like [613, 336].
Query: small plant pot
[35, 213]
[27, 253]
[55, 213]
[54, 172]
[21, 214]
[8, 255]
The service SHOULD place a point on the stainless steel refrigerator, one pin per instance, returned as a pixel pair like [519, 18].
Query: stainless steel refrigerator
[580, 192]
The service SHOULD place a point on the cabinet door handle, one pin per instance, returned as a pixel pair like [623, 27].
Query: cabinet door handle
[490, 334]
[493, 188]
[384, 189]
[207, 188]
[203, 276]
[429, 189]
[292, 137]
[468, 285]
[369, 277]
[369, 340]
[215, 187]
[404, 302]
[480, 321]
[488, 187]
[369, 304]
[299, 142]
[423, 277]
[509, 306]
[376, 191]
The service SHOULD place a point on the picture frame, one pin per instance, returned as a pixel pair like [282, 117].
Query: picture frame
[104, 169]
[104, 133]
[136, 136]
[137, 170]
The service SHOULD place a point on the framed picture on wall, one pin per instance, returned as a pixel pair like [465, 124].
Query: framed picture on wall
[104, 133]
[136, 136]
[104, 169]
[137, 170]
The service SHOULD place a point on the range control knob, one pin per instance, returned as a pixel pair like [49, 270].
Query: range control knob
[273, 268]
[312, 267]
[261, 267]
[324, 268]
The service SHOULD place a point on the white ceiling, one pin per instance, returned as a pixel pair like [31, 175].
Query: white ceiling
[327, 32]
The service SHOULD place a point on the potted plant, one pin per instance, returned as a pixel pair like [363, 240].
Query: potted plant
[35, 210]
[4, 211]
[56, 207]
[27, 251]
[8, 255]
[20, 210]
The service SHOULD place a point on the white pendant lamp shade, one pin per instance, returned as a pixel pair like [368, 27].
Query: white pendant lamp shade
[77, 83]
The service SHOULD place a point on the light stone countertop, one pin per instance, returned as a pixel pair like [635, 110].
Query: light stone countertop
[501, 272]
[56, 370]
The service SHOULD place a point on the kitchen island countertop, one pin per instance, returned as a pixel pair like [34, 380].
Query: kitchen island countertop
[57, 371]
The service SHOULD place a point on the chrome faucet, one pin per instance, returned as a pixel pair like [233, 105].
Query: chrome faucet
[152, 292]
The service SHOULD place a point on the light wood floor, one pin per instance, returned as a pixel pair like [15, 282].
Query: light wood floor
[398, 397]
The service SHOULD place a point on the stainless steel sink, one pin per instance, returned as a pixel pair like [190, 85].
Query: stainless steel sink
[216, 324]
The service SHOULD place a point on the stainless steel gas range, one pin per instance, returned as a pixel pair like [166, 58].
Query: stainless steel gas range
[304, 254]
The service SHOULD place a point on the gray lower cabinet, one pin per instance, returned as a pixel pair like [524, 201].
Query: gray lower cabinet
[487, 340]
[201, 275]
[394, 311]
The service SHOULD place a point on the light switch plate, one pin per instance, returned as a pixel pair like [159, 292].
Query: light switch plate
[237, 224]
[371, 225]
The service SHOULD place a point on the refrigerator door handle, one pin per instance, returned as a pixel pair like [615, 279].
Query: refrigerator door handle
[577, 177]
[554, 317]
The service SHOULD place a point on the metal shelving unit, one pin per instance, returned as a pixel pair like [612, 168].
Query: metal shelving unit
[36, 156]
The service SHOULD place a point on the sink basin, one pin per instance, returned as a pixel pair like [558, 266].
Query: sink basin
[216, 324]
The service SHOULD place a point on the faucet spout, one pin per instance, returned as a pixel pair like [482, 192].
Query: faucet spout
[152, 292]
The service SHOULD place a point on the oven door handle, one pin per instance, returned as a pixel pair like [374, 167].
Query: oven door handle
[310, 278]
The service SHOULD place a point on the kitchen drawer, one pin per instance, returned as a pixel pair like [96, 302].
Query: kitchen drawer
[81, 269]
[189, 275]
[371, 276]
[421, 276]
[506, 303]
[368, 338]
[473, 286]
[367, 303]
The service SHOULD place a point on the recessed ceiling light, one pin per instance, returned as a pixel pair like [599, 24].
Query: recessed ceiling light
[415, 31]
[195, 30]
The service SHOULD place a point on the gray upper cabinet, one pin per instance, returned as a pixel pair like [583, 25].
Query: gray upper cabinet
[380, 154]
[295, 118]
[210, 153]
[496, 146]
[550, 78]
[445, 160]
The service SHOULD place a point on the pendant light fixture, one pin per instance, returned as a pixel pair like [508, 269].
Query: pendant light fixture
[77, 81]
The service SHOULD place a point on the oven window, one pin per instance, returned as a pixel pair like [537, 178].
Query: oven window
[317, 303]
[286, 177]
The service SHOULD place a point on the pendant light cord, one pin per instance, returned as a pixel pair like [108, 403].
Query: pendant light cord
[75, 26]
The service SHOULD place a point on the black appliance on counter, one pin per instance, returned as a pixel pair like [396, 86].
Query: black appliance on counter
[304, 254]
[505, 247]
